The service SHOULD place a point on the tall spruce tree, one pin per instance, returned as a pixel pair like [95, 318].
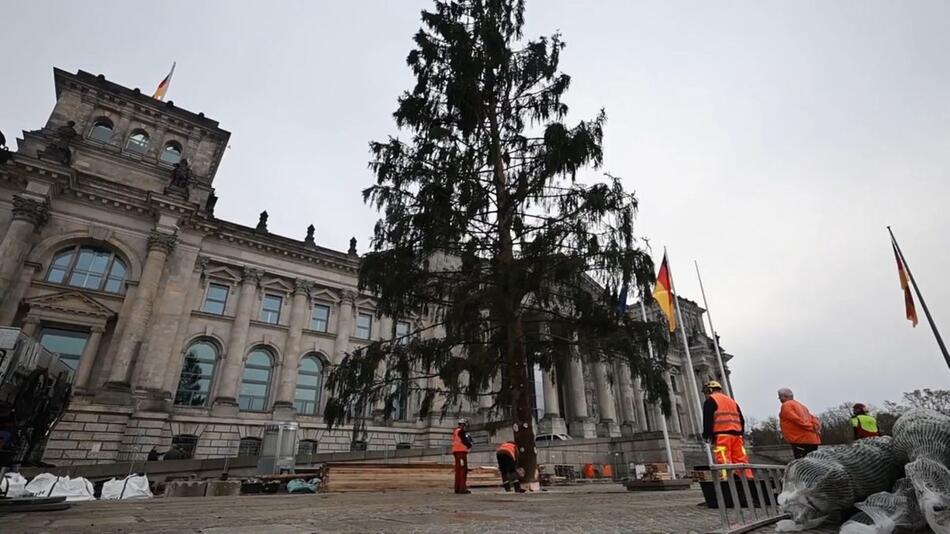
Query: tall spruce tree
[489, 236]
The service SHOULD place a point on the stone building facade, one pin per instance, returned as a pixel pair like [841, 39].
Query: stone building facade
[185, 328]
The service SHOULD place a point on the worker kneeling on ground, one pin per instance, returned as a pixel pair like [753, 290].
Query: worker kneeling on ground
[723, 427]
[507, 455]
[461, 443]
[864, 425]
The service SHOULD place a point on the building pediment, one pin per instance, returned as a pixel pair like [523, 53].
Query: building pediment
[70, 303]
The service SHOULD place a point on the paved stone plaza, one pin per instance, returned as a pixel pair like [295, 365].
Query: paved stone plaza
[587, 509]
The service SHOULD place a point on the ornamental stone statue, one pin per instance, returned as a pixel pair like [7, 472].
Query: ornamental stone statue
[309, 239]
[181, 179]
[262, 223]
[59, 150]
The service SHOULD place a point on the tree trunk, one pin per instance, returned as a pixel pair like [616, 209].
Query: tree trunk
[508, 302]
[523, 419]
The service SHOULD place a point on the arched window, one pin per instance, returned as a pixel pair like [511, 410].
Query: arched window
[101, 130]
[172, 153]
[185, 445]
[138, 142]
[309, 384]
[249, 447]
[256, 381]
[89, 268]
[197, 371]
[307, 447]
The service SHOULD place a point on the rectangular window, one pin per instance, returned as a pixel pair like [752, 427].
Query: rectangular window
[320, 318]
[270, 309]
[364, 325]
[67, 344]
[402, 332]
[215, 299]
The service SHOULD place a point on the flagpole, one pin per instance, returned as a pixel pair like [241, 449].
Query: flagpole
[691, 374]
[666, 433]
[722, 368]
[933, 326]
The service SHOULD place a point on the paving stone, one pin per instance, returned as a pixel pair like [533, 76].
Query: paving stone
[604, 508]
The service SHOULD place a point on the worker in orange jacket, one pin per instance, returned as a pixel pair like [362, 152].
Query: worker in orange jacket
[461, 443]
[724, 426]
[507, 455]
[798, 425]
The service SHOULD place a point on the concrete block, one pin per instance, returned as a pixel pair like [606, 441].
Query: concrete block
[111, 427]
[87, 417]
[186, 488]
[75, 454]
[95, 427]
[68, 425]
[80, 435]
[107, 436]
[223, 488]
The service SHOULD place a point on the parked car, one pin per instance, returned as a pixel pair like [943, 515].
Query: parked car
[552, 437]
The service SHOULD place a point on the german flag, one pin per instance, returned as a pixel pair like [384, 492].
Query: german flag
[663, 293]
[909, 307]
[163, 87]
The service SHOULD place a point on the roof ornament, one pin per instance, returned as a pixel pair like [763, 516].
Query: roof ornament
[309, 239]
[262, 223]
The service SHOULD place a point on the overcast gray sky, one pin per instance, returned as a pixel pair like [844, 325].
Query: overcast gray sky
[771, 141]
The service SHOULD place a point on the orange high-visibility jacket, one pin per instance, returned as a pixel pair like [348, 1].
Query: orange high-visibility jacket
[509, 448]
[799, 426]
[457, 444]
[726, 419]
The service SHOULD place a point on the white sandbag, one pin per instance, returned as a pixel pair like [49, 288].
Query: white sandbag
[131, 487]
[74, 489]
[887, 512]
[14, 485]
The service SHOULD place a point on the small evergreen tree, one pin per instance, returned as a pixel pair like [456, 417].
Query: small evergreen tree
[487, 234]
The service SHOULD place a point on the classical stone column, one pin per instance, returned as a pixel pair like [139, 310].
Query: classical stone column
[608, 426]
[28, 215]
[580, 424]
[234, 359]
[160, 245]
[11, 303]
[30, 326]
[196, 284]
[553, 421]
[640, 406]
[287, 385]
[628, 415]
[344, 326]
[158, 348]
[88, 358]
[674, 405]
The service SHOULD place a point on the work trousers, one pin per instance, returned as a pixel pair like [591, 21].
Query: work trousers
[508, 468]
[800, 451]
[730, 449]
[461, 472]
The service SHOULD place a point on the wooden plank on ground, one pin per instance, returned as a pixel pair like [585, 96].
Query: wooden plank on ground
[347, 477]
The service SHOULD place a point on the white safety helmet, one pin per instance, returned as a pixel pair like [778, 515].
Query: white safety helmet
[463, 422]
